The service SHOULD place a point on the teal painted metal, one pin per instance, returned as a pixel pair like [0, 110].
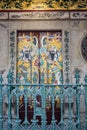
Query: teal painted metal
[1, 100]
[78, 93]
[44, 91]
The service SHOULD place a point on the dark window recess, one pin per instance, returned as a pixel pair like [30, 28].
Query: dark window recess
[84, 48]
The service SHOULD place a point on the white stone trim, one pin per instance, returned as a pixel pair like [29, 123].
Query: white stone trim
[78, 15]
[44, 15]
[3, 15]
[39, 15]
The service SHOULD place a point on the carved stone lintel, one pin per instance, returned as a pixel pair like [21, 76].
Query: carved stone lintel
[39, 15]
[78, 15]
[44, 15]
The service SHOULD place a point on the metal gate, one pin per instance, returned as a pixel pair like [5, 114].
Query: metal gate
[10, 98]
[39, 61]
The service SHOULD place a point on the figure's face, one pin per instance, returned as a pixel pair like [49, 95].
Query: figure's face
[26, 54]
[52, 52]
[53, 49]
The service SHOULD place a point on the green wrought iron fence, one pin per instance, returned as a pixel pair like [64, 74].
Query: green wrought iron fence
[39, 98]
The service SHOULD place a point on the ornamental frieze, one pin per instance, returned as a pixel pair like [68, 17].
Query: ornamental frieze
[78, 15]
[43, 15]
[43, 4]
[39, 15]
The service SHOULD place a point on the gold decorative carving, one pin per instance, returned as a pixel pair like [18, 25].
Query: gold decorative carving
[43, 4]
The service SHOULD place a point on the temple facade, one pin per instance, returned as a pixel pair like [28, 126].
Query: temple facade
[43, 43]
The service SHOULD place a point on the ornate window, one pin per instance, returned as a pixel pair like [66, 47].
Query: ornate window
[84, 47]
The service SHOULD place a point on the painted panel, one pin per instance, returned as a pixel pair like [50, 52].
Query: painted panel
[51, 57]
[39, 57]
[27, 57]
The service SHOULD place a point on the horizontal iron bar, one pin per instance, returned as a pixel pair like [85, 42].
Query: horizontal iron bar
[42, 84]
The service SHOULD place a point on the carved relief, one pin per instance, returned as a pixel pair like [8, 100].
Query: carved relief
[39, 15]
[43, 4]
[44, 15]
[78, 15]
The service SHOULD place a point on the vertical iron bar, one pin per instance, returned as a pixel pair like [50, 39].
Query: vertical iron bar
[34, 117]
[53, 116]
[10, 81]
[26, 123]
[78, 112]
[1, 120]
[17, 116]
[77, 77]
[70, 116]
[43, 108]
[9, 109]
[17, 100]
[61, 95]
[62, 122]
[34, 121]
[25, 100]
[85, 107]
[85, 79]
[1, 100]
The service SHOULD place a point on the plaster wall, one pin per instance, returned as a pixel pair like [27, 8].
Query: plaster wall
[76, 28]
